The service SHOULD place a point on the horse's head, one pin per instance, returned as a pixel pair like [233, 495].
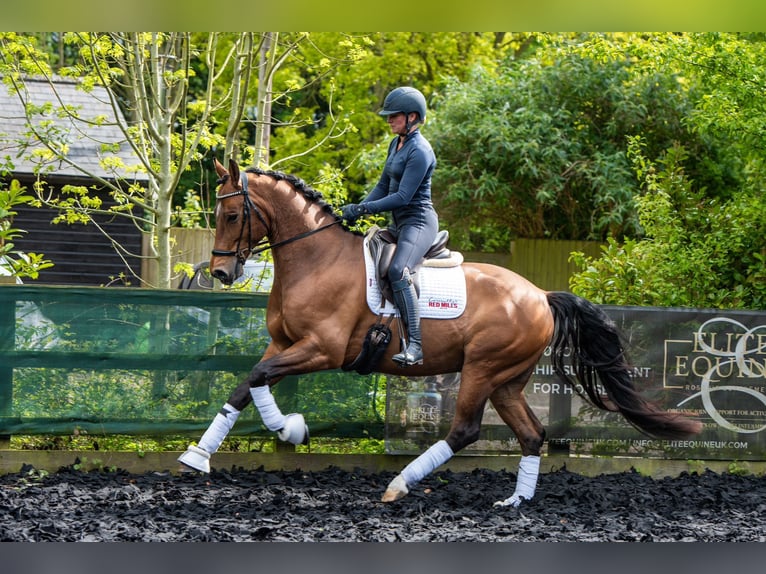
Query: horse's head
[239, 224]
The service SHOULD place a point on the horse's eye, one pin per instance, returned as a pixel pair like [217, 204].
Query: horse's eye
[232, 217]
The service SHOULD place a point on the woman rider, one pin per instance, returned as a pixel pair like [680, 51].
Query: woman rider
[404, 189]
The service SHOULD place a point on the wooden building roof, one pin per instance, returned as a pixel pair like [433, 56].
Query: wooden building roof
[91, 132]
[81, 254]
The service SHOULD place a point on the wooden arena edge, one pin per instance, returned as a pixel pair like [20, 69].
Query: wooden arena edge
[13, 461]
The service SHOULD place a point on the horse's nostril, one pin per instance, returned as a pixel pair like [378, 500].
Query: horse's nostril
[222, 276]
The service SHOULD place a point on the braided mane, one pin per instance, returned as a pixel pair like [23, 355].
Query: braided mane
[308, 192]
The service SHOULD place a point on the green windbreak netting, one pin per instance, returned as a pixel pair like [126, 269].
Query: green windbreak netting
[154, 362]
[140, 361]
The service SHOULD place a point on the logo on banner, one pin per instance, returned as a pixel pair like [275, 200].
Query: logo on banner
[725, 362]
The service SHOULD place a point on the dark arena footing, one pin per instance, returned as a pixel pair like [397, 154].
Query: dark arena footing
[336, 505]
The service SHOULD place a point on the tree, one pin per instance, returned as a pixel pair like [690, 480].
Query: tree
[182, 95]
[537, 146]
[705, 241]
[696, 252]
[296, 94]
[366, 69]
[147, 76]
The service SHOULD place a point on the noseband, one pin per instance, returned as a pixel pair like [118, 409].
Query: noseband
[263, 245]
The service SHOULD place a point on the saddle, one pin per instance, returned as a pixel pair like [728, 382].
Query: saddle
[382, 245]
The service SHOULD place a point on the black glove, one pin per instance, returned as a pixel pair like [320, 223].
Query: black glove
[353, 211]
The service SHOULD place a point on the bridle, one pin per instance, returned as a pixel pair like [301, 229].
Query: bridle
[248, 205]
[262, 245]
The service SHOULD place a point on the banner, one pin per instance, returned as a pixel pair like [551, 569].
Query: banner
[707, 364]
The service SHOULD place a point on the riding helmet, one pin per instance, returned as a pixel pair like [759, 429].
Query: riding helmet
[405, 100]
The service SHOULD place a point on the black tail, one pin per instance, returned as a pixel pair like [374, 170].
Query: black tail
[598, 353]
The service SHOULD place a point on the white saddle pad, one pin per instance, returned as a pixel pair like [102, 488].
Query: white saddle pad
[442, 291]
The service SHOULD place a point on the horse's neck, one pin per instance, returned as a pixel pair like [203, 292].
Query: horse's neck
[289, 212]
[292, 215]
[324, 249]
[309, 269]
[321, 246]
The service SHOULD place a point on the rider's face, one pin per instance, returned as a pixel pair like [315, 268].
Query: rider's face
[397, 123]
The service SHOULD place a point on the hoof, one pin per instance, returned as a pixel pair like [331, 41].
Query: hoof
[514, 501]
[196, 459]
[295, 430]
[397, 489]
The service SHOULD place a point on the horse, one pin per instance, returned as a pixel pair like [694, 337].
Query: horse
[317, 317]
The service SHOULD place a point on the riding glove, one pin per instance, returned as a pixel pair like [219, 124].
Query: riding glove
[353, 211]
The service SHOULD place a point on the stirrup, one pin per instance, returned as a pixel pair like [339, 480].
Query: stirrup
[408, 358]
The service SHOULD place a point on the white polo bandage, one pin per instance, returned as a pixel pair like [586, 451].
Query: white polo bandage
[218, 429]
[526, 482]
[270, 414]
[434, 457]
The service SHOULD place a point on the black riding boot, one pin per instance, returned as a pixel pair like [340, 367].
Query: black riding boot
[406, 299]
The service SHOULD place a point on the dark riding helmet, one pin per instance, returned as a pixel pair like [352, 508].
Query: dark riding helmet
[405, 100]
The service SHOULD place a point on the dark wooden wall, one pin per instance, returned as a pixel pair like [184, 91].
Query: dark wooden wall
[81, 254]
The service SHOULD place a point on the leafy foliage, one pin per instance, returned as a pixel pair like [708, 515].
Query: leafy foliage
[13, 262]
[537, 147]
[697, 251]
[705, 239]
[357, 88]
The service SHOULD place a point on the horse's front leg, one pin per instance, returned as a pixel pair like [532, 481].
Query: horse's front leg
[197, 456]
[302, 357]
[305, 356]
[290, 428]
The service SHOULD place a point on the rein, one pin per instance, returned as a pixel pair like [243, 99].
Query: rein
[264, 245]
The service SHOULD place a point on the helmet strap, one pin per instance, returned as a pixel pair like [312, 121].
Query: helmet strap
[408, 125]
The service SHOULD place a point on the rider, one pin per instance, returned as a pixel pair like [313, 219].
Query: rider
[404, 189]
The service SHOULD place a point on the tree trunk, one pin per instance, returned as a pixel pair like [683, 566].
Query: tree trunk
[266, 66]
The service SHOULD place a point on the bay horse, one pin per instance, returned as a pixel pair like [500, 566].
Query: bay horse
[318, 318]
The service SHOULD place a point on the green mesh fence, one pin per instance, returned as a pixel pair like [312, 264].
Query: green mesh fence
[154, 362]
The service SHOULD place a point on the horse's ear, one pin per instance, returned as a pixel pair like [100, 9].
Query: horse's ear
[233, 170]
[219, 169]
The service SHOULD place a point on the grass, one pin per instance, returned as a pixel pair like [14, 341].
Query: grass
[144, 444]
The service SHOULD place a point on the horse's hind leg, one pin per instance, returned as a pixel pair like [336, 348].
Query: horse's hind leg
[510, 404]
[465, 429]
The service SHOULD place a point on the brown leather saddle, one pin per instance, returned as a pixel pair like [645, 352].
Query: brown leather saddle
[382, 245]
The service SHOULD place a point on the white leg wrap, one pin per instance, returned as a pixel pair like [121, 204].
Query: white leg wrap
[526, 482]
[270, 414]
[435, 456]
[295, 430]
[218, 429]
